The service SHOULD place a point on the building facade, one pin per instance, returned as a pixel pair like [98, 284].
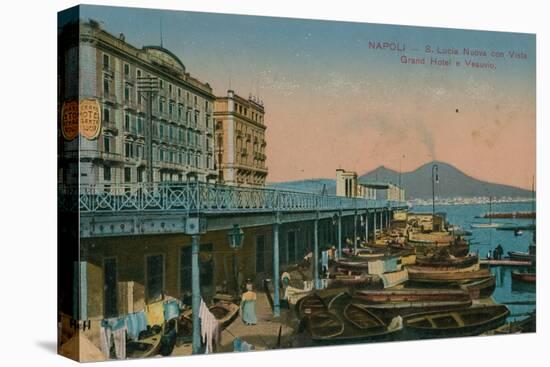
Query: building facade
[349, 185]
[240, 140]
[182, 113]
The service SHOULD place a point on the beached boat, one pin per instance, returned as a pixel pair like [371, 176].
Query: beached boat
[527, 277]
[447, 261]
[224, 312]
[147, 346]
[458, 277]
[440, 269]
[346, 321]
[481, 288]
[410, 295]
[323, 325]
[390, 303]
[465, 322]
[353, 281]
[317, 301]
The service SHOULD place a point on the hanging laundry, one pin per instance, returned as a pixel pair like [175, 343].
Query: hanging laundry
[171, 310]
[210, 332]
[324, 260]
[136, 323]
[113, 331]
[155, 313]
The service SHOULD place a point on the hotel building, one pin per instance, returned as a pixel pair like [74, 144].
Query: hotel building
[182, 113]
[240, 140]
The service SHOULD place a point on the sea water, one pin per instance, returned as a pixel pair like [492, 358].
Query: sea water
[518, 297]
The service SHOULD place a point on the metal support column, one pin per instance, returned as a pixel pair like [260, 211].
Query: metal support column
[316, 281]
[367, 226]
[340, 235]
[374, 233]
[196, 296]
[276, 296]
[355, 232]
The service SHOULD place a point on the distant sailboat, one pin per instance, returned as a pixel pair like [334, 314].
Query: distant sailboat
[490, 224]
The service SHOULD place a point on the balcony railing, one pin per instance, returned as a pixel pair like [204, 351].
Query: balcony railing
[207, 197]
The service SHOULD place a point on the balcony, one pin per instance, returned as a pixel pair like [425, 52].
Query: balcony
[101, 156]
[110, 126]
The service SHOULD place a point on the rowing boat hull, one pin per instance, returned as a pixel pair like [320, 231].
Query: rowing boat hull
[467, 322]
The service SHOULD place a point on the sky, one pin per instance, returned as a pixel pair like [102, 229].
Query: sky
[332, 102]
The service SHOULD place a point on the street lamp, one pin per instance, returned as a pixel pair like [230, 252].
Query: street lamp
[236, 237]
[435, 179]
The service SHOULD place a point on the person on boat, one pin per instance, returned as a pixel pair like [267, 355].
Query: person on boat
[500, 251]
[248, 305]
[489, 255]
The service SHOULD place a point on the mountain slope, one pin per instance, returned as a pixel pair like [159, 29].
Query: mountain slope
[452, 183]
[418, 183]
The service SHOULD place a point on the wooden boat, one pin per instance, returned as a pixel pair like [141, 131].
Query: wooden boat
[481, 288]
[527, 277]
[346, 321]
[436, 269]
[324, 325]
[317, 301]
[146, 347]
[410, 295]
[390, 303]
[447, 277]
[352, 281]
[465, 322]
[521, 256]
[447, 261]
[225, 312]
[485, 225]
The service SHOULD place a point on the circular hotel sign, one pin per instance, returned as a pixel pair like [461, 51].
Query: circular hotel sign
[83, 117]
[89, 118]
[69, 119]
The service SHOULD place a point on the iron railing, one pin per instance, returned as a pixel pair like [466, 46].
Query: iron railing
[206, 197]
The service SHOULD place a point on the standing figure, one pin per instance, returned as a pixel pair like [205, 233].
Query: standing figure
[248, 306]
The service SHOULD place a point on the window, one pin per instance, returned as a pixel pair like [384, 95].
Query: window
[138, 73]
[107, 173]
[170, 89]
[128, 149]
[105, 86]
[171, 133]
[126, 122]
[105, 61]
[180, 112]
[127, 174]
[171, 109]
[127, 93]
[155, 277]
[161, 130]
[206, 105]
[126, 69]
[161, 105]
[161, 84]
[140, 125]
[179, 92]
[161, 155]
[195, 99]
[106, 116]
[106, 144]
